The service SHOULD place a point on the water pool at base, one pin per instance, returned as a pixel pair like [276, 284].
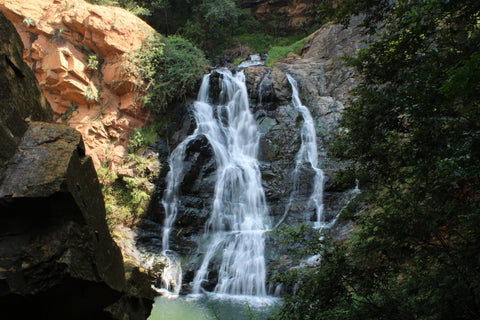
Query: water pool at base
[216, 307]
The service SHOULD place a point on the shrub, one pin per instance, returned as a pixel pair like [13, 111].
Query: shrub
[28, 22]
[92, 62]
[142, 137]
[260, 42]
[171, 66]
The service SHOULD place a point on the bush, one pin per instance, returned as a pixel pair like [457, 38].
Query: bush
[260, 42]
[142, 137]
[171, 66]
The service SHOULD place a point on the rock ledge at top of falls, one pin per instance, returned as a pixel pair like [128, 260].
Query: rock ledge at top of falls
[60, 36]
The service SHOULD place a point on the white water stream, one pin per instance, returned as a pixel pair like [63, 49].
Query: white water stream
[308, 153]
[235, 230]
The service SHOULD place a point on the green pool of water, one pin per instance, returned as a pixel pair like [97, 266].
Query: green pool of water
[213, 308]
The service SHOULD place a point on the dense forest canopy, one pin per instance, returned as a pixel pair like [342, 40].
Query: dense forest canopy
[412, 136]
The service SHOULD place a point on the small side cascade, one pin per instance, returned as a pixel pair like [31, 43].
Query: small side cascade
[307, 154]
[172, 274]
[175, 174]
[253, 60]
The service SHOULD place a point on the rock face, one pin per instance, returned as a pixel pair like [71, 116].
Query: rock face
[285, 15]
[324, 83]
[20, 95]
[57, 259]
[80, 56]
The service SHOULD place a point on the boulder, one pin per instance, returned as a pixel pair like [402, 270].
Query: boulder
[57, 258]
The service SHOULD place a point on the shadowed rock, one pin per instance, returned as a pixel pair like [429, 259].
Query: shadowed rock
[57, 258]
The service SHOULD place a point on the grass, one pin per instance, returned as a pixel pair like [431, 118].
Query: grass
[278, 53]
[277, 48]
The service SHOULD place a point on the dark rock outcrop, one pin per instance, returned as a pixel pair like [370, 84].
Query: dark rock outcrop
[57, 258]
[20, 93]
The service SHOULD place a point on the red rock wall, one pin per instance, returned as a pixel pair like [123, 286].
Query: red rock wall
[102, 103]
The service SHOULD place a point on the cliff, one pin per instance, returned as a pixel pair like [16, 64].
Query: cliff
[57, 258]
[81, 55]
[284, 16]
[324, 83]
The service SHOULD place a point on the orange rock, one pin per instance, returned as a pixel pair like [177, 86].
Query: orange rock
[78, 52]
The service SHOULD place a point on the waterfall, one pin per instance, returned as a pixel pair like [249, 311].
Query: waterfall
[308, 153]
[234, 232]
[175, 162]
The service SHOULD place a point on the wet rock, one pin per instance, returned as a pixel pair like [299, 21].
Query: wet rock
[324, 83]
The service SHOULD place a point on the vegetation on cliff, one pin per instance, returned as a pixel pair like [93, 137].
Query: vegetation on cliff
[215, 25]
[412, 135]
[127, 193]
[171, 66]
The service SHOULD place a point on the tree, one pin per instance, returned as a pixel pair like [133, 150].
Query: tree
[412, 134]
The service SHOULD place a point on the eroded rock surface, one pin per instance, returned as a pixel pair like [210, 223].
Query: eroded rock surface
[20, 94]
[80, 56]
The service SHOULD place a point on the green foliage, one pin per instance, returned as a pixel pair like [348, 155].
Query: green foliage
[92, 62]
[89, 94]
[211, 25]
[278, 53]
[260, 42]
[237, 61]
[142, 137]
[126, 198]
[65, 117]
[412, 135]
[172, 67]
[28, 22]
[130, 5]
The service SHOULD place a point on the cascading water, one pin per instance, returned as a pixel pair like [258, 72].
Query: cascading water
[172, 274]
[308, 153]
[176, 164]
[239, 217]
